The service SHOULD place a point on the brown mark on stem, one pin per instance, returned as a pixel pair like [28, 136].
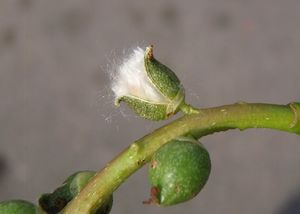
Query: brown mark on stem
[141, 162]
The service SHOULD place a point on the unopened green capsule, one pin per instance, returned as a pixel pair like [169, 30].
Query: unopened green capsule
[178, 171]
[17, 207]
[55, 202]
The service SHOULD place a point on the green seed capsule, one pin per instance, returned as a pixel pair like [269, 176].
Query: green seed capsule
[178, 171]
[17, 207]
[57, 200]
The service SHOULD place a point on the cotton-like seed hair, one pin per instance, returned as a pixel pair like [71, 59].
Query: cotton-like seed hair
[130, 79]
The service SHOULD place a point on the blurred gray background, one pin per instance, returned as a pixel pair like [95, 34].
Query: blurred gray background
[56, 112]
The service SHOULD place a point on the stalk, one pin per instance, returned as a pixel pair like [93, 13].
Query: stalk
[198, 123]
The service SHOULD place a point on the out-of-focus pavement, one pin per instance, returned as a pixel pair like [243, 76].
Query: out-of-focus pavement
[56, 112]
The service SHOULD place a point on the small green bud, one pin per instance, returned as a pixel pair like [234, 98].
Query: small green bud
[57, 200]
[178, 171]
[147, 86]
[17, 207]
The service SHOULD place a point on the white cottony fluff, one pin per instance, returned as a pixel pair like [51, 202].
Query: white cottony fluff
[130, 79]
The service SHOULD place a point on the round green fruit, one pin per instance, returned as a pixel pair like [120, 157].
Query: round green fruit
[17, 207]
[178, 171]
[58, 199]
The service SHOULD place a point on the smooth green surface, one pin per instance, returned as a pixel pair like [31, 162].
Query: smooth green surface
[17, 207]
[179, 170]
[79, 181]
[207, 121]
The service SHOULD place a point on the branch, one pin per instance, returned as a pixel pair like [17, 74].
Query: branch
[199, 123]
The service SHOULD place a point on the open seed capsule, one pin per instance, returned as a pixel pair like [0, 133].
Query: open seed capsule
[147, 86]
[178, 171]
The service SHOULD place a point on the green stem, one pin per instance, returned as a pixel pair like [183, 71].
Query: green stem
[239, 115]
[188, 109]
